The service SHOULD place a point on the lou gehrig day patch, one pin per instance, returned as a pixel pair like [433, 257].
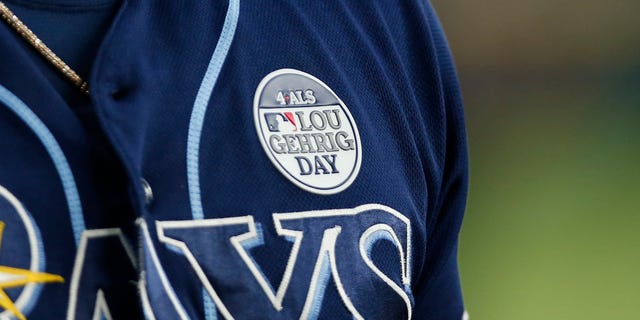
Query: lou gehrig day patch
[307, 131]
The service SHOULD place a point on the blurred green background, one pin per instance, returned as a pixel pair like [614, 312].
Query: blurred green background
[552, 96]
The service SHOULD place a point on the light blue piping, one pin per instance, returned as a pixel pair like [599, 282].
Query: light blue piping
[197, 120]
[200, 106]
[323, 281]
[210, 310]
[57, 156]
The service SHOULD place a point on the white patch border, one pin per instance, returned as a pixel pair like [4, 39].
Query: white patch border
[166, 285]
[256, 117]
[81, 253]
[101, 309]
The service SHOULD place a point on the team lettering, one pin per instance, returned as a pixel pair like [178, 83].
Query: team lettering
[321, 240]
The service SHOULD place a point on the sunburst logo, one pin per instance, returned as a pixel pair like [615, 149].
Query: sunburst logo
[18, 286]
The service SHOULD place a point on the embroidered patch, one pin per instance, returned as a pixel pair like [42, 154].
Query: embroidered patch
[307, 131]
[20, 276]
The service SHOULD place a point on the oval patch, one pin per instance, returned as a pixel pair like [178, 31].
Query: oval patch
[307, 131]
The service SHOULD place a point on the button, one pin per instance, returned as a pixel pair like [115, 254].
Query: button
[148, 192]
[121, 91]
[119, 94]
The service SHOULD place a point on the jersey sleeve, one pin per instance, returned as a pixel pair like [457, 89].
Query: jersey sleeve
[438, 293]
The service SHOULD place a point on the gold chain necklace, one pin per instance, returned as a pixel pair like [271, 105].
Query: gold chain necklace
[15, 23]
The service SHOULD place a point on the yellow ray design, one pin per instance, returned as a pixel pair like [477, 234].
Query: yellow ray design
[7, 304]
[19, 278]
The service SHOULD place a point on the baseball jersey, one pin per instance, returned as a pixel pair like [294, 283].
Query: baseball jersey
[234, 160]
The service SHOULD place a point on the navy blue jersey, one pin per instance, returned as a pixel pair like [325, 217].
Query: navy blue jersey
[236, 160]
